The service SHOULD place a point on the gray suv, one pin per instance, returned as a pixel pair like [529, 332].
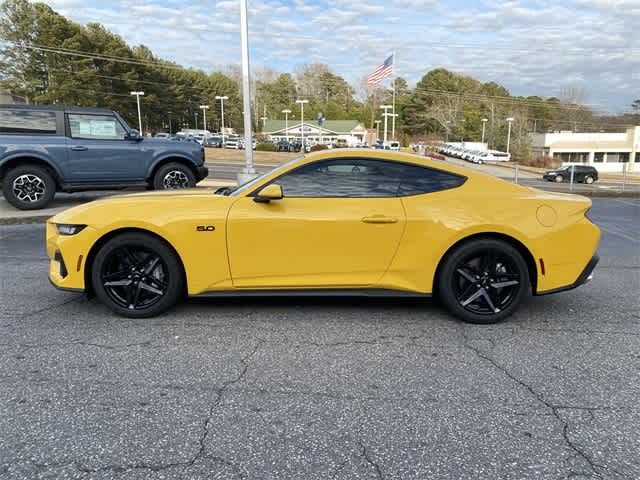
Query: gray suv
[45, 149]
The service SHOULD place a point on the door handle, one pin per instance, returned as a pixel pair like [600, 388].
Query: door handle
[79, 148]
[379, 219]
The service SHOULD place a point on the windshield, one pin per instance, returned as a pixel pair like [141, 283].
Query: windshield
[247, 185]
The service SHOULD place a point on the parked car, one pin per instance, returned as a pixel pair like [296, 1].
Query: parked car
[213, 141]
[581, 174]
[284, 146]
[482, 259]
[49, 149]
[394, 146]
[232, 142]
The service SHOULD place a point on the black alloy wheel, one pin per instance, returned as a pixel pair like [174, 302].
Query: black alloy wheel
[483, 281]
[137, 275]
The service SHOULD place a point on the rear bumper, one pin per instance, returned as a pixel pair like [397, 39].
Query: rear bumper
[584, 277]
[201, 173]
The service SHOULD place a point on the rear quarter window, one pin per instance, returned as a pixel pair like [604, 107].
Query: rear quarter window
[27, 122]
[418, 180]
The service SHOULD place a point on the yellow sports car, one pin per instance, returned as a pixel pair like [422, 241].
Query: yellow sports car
[359, 222]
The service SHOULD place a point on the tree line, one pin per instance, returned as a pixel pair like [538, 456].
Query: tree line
[46, 58]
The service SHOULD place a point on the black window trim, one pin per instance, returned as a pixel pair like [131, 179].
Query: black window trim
[67, 126]
[57, 115]
[463, 178]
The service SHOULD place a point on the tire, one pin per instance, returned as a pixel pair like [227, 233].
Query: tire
[129, 272]
[588, 179]
[28, 187]
[559, 179]
[173, 176]
[483, 302]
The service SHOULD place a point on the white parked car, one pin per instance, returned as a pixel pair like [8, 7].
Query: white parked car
[232, 142]
[394, 146]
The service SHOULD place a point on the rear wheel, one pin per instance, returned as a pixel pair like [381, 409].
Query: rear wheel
[558, 179]
[137, 275]
[588, 179]
[483, 281]
[173, 176]
[29, 187]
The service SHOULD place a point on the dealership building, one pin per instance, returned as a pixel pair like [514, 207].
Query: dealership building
[608, 152]
[330, 131]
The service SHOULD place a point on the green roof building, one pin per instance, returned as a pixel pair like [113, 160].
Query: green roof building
[350, 132]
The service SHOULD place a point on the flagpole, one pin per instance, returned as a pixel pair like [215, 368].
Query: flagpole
[393, 109]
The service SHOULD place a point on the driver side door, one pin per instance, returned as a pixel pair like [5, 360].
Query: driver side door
[338, 224]
[98, 151]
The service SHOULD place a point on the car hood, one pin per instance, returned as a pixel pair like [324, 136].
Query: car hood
[143, 206]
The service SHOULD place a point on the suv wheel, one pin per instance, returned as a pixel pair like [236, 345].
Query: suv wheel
[173, 176]
[558, 179]
[483, 281]
[137, 275]
[588, 179]
[29, 187]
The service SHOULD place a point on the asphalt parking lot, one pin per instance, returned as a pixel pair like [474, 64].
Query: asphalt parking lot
[317, 389]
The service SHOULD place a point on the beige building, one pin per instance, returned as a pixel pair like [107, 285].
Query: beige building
[608, 152]
[351, 132]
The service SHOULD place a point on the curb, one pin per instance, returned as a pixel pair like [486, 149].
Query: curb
[24, 220]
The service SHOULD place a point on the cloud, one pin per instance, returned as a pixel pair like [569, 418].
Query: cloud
[530, 46]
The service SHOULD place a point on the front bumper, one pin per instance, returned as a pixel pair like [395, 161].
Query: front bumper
[584, 277]
[68, 256]
[201, 173]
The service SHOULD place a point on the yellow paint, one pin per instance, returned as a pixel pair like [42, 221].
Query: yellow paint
[308, 243]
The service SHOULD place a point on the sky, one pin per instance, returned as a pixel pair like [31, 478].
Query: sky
[545, 48]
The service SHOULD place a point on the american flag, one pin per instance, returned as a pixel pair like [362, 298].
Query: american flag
[381, 72]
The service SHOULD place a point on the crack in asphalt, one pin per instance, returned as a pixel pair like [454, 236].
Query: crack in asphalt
[158, 467]
[370, 461]
[578, 450]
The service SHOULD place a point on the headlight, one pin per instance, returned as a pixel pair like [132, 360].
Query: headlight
[67, 229]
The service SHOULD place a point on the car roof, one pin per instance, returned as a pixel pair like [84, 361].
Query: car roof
[57, 108]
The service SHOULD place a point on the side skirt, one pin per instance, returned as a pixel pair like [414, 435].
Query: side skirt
[324, 292]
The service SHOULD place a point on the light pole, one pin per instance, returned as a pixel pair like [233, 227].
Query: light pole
[385, 115]
[509, 120]
[484, 123]
[195, 115]
[286, 112]
[377, 122]
[170, 112]
[393, 125]
[248, 172]
[222, 99]
[301, 103]
[138, 95]
[204, 115]
[264, 122]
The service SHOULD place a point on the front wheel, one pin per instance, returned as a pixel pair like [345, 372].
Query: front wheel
[173, 176]
[483, 281]
[28, 187]
[559, 179]
[137, 275]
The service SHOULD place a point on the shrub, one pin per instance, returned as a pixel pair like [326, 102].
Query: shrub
[318, 147]
[542, 161]
[265, 147]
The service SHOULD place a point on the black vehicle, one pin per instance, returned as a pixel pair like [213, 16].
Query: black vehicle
[49, 149]
[284, 146]
[581, 174]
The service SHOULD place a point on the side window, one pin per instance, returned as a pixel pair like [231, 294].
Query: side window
[27, 122]
[347, 177]
[418, 180]
[96, 127]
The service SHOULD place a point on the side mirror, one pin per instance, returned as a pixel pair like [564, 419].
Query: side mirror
[268, 193]
[132, 134]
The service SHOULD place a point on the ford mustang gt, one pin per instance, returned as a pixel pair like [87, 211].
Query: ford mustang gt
[335, 222]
